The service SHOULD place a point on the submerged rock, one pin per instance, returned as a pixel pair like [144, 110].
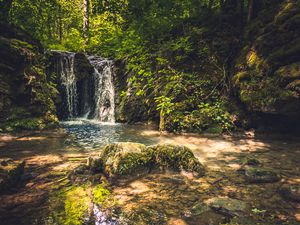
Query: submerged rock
[291, 192]
[227, 206]
[261, 175]
[126, 158]
[10, 174]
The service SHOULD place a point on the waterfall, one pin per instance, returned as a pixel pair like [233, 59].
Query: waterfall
[91, 97]
[104, 89]
[68, 81]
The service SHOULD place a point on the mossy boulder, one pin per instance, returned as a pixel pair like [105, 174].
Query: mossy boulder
[134, 159]
[177, 158]
[124, 159]
[10, 173]
[261, 175]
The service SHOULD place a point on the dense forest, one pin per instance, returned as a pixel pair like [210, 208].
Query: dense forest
[192, 65]
[149, 112]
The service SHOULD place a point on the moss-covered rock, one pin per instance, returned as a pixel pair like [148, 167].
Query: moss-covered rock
[124, 159]
[228, 206]
[260, 175]
[26, 93]
[178, 158]
[267, 68]
[134, 159]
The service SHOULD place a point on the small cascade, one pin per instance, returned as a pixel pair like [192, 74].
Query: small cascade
[90, 96]
[68, 82]
[104, 89]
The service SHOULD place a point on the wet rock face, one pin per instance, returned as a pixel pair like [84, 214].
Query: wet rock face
[291, 192]
[134, 159]
[10, 174]
[260, 175]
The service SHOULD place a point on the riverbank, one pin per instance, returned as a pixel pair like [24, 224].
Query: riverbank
[51, 155]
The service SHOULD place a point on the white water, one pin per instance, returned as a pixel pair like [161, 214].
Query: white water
[68, 81]
[100, 105]
[104, 89]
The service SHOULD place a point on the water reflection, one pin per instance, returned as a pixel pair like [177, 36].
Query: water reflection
[92, 134]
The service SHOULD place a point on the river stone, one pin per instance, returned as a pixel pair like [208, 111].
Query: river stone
[260, 175]
[227, 206]
[291, 192]
[124, 158]
[10, 174]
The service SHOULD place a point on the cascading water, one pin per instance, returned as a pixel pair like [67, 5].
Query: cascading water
[68, 82]
[91, 97]
[104, 89]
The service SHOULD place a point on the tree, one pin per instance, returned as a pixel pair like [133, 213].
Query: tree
[5, 6]
[86, 20]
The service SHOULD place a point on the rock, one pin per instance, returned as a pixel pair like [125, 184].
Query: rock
[178, 158]
[82, 67]
[11, 174]
[127, 158]
[227, 206]
[251, 162]
[25, 94]
[260, 175]
[291, 192]
[199, 208]
[124, 158]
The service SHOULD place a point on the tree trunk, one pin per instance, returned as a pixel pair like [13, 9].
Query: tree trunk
[60, 31]
[86, 20]
[250, 10]
[5, 6]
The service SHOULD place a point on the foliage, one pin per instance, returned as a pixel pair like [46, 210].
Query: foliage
[176, 52]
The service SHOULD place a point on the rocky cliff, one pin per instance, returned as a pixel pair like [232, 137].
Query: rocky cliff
[26, 93]
[267, 76]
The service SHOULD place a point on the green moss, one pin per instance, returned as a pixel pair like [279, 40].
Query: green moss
[69, 206]
[123, 158]
[100, 194]
[30, 124]
[176, 158]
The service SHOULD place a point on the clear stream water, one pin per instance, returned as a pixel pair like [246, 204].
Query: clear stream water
[93, 134]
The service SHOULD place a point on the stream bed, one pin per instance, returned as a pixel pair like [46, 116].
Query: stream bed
[46, 195]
